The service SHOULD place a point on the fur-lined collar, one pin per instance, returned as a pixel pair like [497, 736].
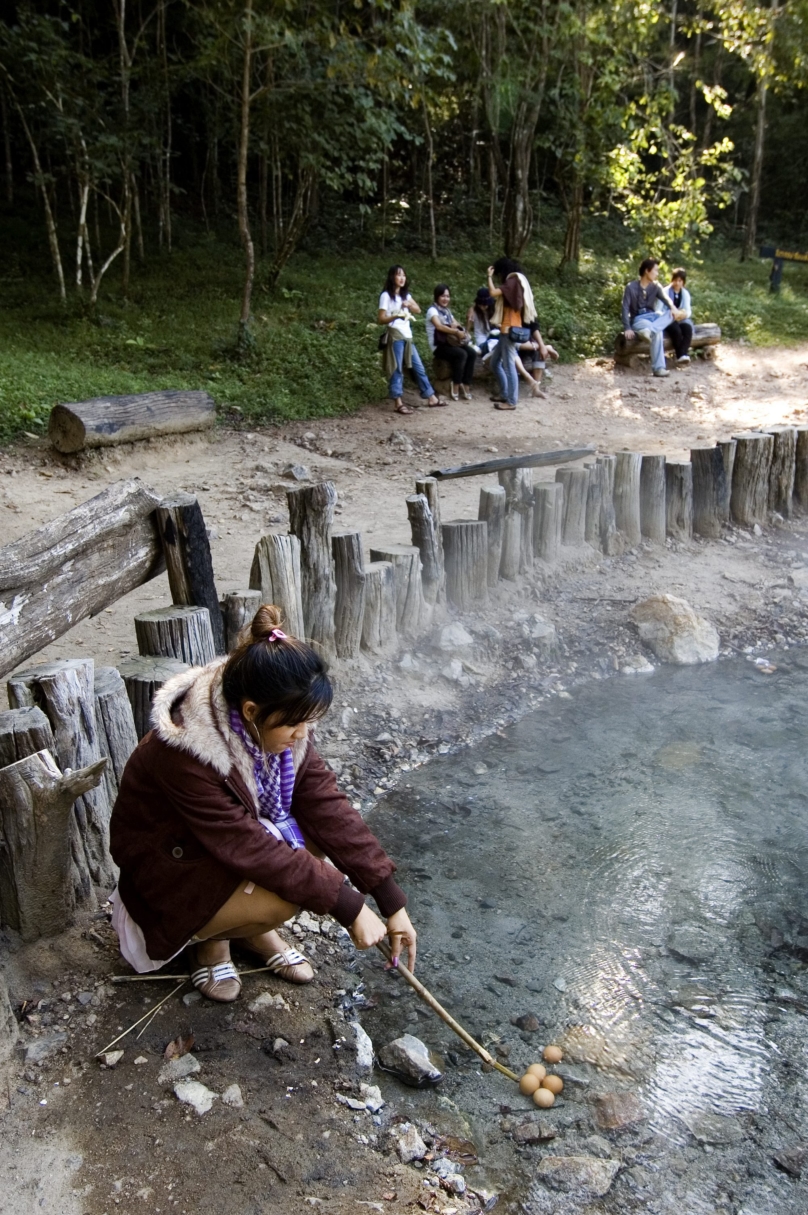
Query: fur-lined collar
[202, 725]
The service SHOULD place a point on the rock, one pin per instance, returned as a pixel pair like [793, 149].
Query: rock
[453, 637]
[141, 1059]
[308, 923]
[527, 1022]
[444, 1167]
[268, 999]
[297, 472]
[598, 1146]
[372, 1096]
[178, 1069]
[232, 1097]
[191, 997]
[592, 1177]
[614, 1111]
[692, 944]
[533, 1132]
[400, 440]
[713, 1128]
[364, 1049]
[453, 671]
[560, 984]
[455, 1184]
[42, 1048]
[480, 769]
[9, 1031]
[353, 1103]
[407, 1142]
[528, 662]
[112, 1058]
[544, 633]
[571, 1074]
[408, 1057]
[192, 1093]
[279, 1046]
[673, 630]
[84, 998]
[637, 664]
[792, 1159]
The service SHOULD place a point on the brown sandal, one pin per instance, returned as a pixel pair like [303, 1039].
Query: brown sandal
[438, 403]
[287, 964]
[503, 405]
[403, 409]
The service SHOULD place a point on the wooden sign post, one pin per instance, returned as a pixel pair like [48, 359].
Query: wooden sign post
[779, 256]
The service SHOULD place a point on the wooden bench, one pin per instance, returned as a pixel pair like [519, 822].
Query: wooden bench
[629, 353]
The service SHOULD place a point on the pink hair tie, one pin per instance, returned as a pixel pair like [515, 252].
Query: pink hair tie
[276, 635]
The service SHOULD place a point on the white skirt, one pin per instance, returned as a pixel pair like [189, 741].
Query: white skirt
[131, 939]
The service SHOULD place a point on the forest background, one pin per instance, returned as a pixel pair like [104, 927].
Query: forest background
[207, 193]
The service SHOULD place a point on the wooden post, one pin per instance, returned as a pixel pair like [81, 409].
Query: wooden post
[117, 736]
[176, 632]
[276, 574]
[781, 476]
[511, 547]
[750, 478]
[728, 455]
[652, 498]
[65, 691]
[548, 519]
[492, 510]
[36, 895]
[594, 503]
[411, 608]
[379, 620]
[801, 468]
[610, 539]
[143, 677]
[679, 501]
[709, 490]
[518, 486]
[465, 545]
[430, 488]
[627, 469]
[425, 537]
[311, 514]
[23, 732]
[188, 560]
[576, 491]
[238, 610]
[349, 607]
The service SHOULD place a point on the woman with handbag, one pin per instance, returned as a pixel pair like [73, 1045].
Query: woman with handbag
[396, 309]
[513, 313]
[451, 343]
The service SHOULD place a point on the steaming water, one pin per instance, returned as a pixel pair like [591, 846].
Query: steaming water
[635, 861]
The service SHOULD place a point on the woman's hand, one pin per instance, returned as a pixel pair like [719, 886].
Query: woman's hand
[490, 273]
[402, 936]
[367, 929]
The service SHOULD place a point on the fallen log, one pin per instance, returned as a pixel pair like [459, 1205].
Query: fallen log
[539, 459]
[74, 567]
[627, 351]
[104, 421]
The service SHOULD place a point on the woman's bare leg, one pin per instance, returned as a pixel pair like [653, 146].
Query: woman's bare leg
[250, 917]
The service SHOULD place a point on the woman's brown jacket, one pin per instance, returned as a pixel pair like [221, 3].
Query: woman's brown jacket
[185, 831]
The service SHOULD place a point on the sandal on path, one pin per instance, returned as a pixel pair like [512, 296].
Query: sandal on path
[403, 409]
[287, 964]
[219, 982]
[503, 405]
[438, 403]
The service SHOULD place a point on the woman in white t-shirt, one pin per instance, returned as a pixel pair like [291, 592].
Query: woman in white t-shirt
[396, 308]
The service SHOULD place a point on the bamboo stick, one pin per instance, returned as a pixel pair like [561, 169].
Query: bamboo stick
[150, 1013]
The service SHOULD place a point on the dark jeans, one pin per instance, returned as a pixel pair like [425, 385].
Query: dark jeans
[681, 334]
[460, 359]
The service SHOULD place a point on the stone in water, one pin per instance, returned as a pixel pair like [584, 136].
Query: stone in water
[674, 631]
[592, 1177]
[613, 1111]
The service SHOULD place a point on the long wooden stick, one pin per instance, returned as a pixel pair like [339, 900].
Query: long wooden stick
[150, 1013]
[157, 978]
[538, 459]
[429, 999]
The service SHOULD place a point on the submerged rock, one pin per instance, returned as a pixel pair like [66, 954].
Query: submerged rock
[614, 1111]
[673, 630]
[408, 1057]
[590, 1176]
[713, 1128]
[792, 1159]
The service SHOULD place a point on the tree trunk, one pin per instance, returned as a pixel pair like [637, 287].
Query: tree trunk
[349, 606]
[627, 496]
[9, 173]
[801, 468]
[188, 559]
[750, 238]
[238, 610]
[276, 574]
[518, 486]
[23, 732]
[297, 224]
[548, 520]
[576, 488]
[518, 211]
[426, 537]
[709, 490]
[411, 608]
[652, 498]
[430, 157]
[594, 503]
[241, 191]
[117, 737]
[572, 233]
[179, 632]
[781, 477]
[728, 454]
[50, 222]
[311, 515]
[611, 541]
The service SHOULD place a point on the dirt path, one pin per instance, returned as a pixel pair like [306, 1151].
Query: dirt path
[83, 1141]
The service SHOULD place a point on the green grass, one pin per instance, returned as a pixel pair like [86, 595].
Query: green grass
[315, 337]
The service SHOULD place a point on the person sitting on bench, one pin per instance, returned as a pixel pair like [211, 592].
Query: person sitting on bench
[450, 342]
[640, 313]
[680, 330]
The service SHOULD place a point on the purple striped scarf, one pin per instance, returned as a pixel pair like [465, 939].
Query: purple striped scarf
[275, 782]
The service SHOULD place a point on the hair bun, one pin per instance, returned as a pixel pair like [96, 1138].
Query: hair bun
[267, 618]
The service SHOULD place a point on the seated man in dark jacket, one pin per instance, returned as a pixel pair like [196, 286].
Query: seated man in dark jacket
[641, 313]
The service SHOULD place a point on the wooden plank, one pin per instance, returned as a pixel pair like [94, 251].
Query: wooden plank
[74, 567]
[539, 459]
[104, 421]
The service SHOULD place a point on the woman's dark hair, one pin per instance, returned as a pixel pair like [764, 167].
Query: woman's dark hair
[647, 264]
[679, 273]
[504, 266]
[439, 290]
[286, 678]
[483, 304]
[391, 287]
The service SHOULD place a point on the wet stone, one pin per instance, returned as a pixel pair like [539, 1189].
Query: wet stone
[586, 1174]
[692, 944]
[713, 1128]
[792, 1159]
[527, 1022]
[614, 1111]
[533, 1132]
[408, 1057]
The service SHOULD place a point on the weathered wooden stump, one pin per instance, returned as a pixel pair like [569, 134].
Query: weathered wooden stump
[594, 503]
[117, 736]
[652, 498]
[74, 567]
[238, 610]
[492, 511]
[679, 501]
[143, 677]
[349, 606]
[576, 491]
[518, 486]
[750, 478]
[611, 541]
[104, 421]
[801, 468]
[276, 574]
[425, 537]
[311, 514]
[627, 470]
[411, 608]
[783, 469]
[379, 621]
[511, 547]
[188, 560]
[176, 632]
[728, 454]
[430, 488]
[709, 490]
[65, 691]
[36, 823]
[548, 520]
[465, 547]
[23, 732]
